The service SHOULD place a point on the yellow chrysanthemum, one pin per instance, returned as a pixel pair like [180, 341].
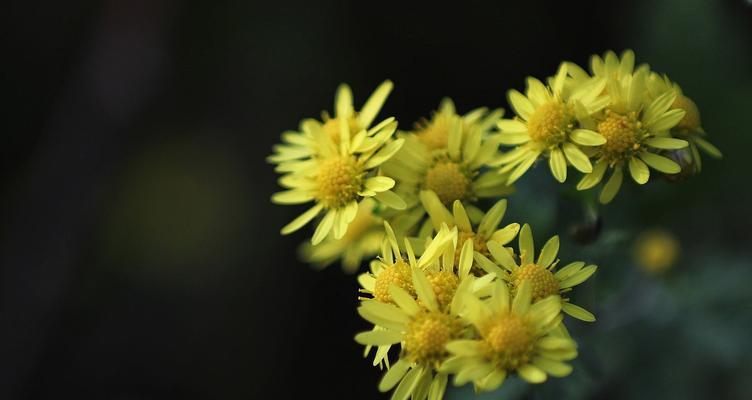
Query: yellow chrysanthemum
[635, 129]
[656, 251]
[481, 234]
[547, 125]
[445, 155]
[361, 241]
[689, 128]
[541, 273]
[514, 335]
[421, 314]
[338, 174]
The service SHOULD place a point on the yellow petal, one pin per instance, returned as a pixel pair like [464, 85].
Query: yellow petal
[521, 105]
[558, 165]
[611, 187]
[639, 171]
[374, 103]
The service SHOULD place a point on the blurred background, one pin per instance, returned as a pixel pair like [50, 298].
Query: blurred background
[139, 251]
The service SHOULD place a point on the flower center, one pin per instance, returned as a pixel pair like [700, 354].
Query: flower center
[331, 127]
[448, 181]
[621, 133]
[444, 284]
[543, 282]
[427, 334]
[398, 274]
[550, 123]
[509, 341]
[339, 180]
[691, 120]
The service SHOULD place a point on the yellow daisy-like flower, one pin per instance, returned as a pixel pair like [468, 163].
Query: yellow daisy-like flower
[635, 130]
[656, 251]
[422, 317]
[361, 241]
[445, 155]
[689, 128]
[337, 175]
[515, 335]
[485, 231]
[302, 146]
[547, 125]
[541, 273]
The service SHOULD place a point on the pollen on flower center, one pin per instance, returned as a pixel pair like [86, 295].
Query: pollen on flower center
[427, 334]
[691, 120]
[444, 284]
[543, 282]
[621, 132]
[331, 127]
[509, 341]
[338, 181]
[398, 274]
[550, 123]
[448, 181]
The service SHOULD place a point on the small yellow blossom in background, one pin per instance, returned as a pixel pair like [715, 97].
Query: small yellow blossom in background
[656, 251]
[337, 167]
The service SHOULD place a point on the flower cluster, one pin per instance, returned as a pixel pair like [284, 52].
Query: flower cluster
[447, 293]
[468, 306]
[614, 119]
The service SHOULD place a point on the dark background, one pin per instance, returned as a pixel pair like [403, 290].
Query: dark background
[140, 255]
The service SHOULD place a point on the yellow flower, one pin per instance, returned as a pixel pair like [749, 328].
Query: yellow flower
[336, 174]
[418, 308]
[479, 234]
[541, 273]
[656, 251]
[445, 155]
[514, 335]
[361, 241]
[635, 128]
[547, 125]
[689, 128]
